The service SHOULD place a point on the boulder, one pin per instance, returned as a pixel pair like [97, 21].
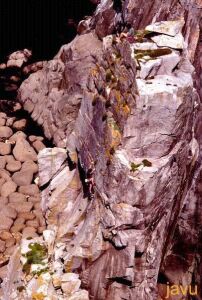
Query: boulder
[3, 200]
[2, 246]
[19, 135]
[10, 242]
[5, 132]
[27, 216]
[10, 121]
[2, 121]
[5, 235]
[29, 232]
[8, 211]
[17, 197]
[8, 188]
[20, 124]
[5, 223]
[23, 151]
[22, 177]
[30, 165]
[5, 175]
[38, 145]
[5, 148]
[17, 228]
[2, 162]
[30, 190]
[13, 166]
[171, 28]
[176, 42]
[22, 207]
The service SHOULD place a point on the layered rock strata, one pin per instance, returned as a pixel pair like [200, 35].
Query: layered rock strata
[126, 110]
[121, 189]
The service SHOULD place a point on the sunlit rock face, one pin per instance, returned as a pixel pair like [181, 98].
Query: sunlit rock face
[124, 107]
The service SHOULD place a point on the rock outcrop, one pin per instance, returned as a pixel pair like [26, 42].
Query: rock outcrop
[121, 188]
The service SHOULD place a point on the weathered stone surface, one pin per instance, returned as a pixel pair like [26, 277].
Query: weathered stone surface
[5, 148]
[167, 27]
[18, 58]
[5, 132]
[18, 136]
[20, 125]
[2, 162]
[8, 211]
[6, 235]
[10, 242]
[6, 222]
[3, 200]
[22, 207]
[38, 145]
[17, 197]
[176, 42]
[29, 232]
[13, 166]
[30, 190]
[23, 151]
[2, 246]
[31, 166]
[23, 177]
[17, 228]
[139, 137]
[8, 188]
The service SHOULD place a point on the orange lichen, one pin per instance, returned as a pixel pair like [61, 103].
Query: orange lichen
[38, 296]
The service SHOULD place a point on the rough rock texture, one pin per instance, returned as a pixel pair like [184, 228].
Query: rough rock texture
[121, 191]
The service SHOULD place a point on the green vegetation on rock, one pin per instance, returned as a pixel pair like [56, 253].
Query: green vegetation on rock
[36, 255]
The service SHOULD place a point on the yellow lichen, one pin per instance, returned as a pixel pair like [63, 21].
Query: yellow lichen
[38, 296]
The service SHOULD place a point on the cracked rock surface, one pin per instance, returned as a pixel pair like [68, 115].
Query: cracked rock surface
[121, 189]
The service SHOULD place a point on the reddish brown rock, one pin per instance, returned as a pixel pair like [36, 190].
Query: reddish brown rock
[31, 166]
[20, 125]
[8, 211]
[22, 178]
[5, 132]
[8, 188]
[5, 175]
[10, 121]
[17, 197]
[22, 207]
[26, 215]
[32, 223]
[31, 190]
[2, 246]
[23, 151]
[2, 162]
[5, 235]
[3, 200]
[13, 166]
[18, 136]
[10, 242]
[38, 145]
[17, 228]
[5, 223]
[29, 232]
[5, 148]
[19, 221]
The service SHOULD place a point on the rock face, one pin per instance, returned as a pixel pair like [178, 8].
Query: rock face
[121, 189]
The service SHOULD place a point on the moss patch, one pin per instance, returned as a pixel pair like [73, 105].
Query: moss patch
[152, 53]
[134, 166]
[36, 255]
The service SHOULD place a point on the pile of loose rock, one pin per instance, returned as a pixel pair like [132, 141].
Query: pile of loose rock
[15, 69]
[20, 212]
